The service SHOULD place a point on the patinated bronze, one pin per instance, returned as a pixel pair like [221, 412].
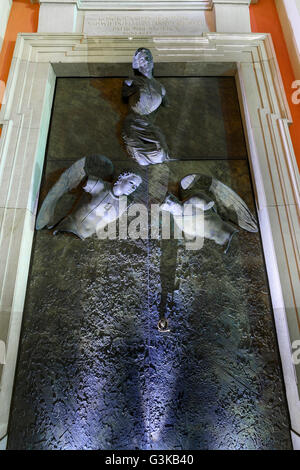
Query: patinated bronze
[98, 206]
[220, 205]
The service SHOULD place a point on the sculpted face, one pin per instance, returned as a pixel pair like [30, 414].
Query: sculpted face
[126, 184]
[143, 62]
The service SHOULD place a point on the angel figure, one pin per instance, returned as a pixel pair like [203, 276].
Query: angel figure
[223, 209]
[144, 141]
[98, 206]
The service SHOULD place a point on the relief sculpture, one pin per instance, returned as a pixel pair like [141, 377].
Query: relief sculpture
[144, 141]
[223, 211]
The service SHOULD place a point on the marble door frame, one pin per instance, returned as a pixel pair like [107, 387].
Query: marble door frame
[25, 117]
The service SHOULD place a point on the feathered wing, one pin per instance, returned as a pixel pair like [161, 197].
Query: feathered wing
[94, 165]
[236, 209]
[67, 181]
[228, 202]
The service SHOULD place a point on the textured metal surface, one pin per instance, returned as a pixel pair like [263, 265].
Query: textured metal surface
[94, 372]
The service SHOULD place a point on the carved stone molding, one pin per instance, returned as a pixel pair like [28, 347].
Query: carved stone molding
[133, 17]
[135, 4]
[232, 16]
[25, 116]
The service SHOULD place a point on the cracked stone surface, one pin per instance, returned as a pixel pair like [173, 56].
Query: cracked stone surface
[93, 370]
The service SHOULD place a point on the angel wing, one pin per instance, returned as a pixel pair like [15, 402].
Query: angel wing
[228, 202]
[94, 165]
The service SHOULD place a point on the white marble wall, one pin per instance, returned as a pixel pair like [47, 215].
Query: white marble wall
[5, 6]
[146, 23]
[3, 443]
[147, 18]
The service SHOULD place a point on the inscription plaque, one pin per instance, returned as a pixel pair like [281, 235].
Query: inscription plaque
[143, 24]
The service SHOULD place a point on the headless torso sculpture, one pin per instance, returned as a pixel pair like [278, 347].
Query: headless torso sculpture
[223, 210]
[144, 141]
